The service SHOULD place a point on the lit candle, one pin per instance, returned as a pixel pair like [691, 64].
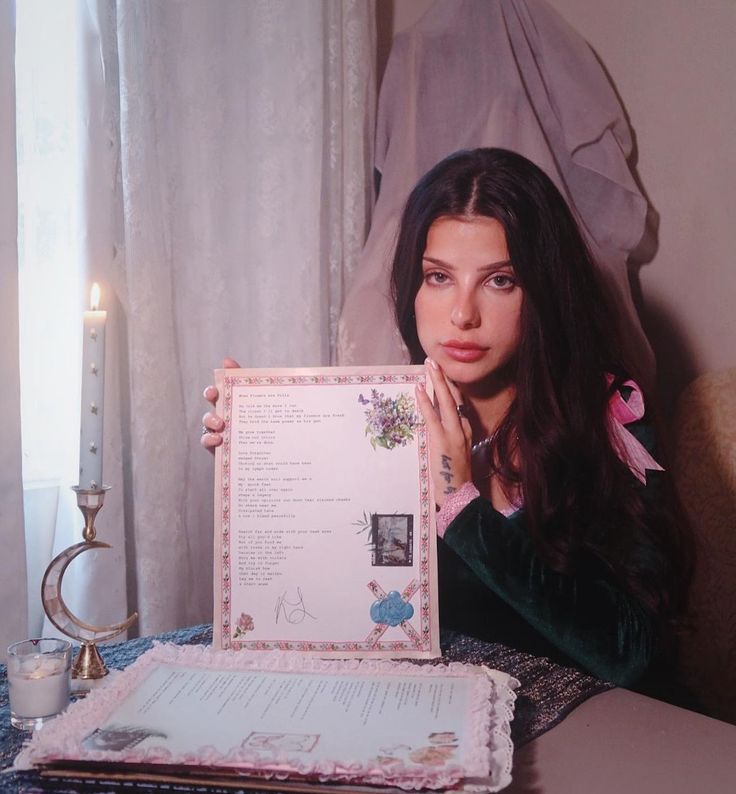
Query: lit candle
[40, 690]
[93, 390]
[38, 680]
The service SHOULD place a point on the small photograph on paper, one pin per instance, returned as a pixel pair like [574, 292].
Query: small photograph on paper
[290, 742]
[392, 539]
[119, 737]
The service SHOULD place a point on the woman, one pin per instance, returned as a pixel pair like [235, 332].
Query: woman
[555, 537]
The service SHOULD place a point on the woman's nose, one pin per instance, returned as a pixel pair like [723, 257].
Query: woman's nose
[465, 312]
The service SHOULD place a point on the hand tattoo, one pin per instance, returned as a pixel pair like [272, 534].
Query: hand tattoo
[446, 474]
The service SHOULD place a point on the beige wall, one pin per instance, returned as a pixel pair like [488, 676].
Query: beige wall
[673, 63]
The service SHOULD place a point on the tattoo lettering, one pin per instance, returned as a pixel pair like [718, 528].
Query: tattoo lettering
[446, 473]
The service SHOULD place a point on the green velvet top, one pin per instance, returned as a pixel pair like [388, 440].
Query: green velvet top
[494, 586]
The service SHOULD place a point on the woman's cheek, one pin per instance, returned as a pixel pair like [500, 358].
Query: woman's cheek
[427, 313]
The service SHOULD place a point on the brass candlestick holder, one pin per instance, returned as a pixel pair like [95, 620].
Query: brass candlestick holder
[88, 663]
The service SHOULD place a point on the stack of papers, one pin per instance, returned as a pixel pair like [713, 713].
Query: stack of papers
[193, 714]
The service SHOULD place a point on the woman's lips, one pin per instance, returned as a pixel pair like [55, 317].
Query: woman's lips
[466, 352]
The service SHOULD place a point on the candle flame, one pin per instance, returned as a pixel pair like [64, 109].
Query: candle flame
[94, 297]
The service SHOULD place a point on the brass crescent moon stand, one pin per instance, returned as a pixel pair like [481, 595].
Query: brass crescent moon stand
[88, 664]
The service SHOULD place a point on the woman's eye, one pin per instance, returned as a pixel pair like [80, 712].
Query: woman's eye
[435, 277]
[502, 281]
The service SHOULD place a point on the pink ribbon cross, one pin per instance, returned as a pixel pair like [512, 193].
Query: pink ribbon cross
[407, 628]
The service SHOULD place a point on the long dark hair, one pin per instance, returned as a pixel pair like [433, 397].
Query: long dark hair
[581, 501]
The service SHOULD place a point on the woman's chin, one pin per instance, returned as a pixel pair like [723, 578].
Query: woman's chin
[465, 374]
[478, 378]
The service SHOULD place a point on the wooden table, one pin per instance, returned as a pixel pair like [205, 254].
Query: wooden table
[626, 743]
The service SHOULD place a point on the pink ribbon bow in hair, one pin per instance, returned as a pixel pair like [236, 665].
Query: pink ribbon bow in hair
[629, 448]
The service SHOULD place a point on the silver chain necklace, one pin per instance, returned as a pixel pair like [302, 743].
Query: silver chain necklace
[483, 443]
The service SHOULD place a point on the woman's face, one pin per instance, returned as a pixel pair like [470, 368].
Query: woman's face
[468, 308]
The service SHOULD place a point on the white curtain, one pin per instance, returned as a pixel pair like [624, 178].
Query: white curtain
[244, 132]
[226, 196]
[12, 559]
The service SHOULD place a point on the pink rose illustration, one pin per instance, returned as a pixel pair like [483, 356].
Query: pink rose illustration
[243, 626]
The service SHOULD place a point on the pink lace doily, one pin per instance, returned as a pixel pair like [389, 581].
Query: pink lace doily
[486, 767]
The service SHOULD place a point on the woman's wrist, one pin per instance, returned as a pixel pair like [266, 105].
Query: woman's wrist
[454, 504]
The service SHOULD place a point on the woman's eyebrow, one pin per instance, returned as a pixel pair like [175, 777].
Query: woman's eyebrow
[449, 266]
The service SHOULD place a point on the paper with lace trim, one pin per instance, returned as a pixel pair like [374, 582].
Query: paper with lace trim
[324, 514]
[194, 714]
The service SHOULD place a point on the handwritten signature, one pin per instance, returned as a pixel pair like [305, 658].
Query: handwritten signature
[293, 612]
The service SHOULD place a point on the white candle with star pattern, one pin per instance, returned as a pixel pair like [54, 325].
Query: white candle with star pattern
[93, 390]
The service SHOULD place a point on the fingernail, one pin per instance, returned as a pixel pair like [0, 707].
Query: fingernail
[420, 387]
[432, 363]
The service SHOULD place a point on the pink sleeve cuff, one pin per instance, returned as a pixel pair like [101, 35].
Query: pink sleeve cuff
[454, 504]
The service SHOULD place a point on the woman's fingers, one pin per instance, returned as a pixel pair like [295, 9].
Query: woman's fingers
[211, 440]
[214, 425]
[441, 392]
[445, 399]
[213, 422]
[459, 400]
[427, 410]
[210, 393]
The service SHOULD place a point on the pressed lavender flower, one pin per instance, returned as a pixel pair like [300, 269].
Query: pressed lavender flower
[390, 421]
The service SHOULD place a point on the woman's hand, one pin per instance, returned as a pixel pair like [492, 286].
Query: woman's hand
[211, 422]
[449, 435]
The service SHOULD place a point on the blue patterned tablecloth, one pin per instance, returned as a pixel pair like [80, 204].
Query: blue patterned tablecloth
[547, 694]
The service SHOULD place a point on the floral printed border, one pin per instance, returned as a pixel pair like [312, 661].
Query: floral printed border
[227, 625]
